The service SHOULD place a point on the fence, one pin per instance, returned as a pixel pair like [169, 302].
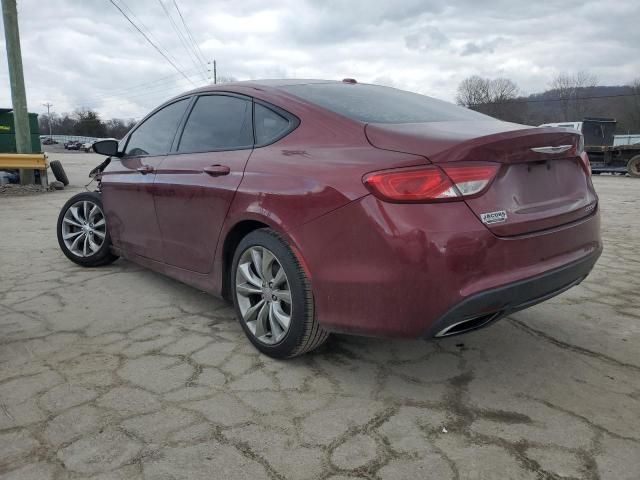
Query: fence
[68, 138]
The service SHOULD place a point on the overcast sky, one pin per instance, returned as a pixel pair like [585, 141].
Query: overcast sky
[84, 53]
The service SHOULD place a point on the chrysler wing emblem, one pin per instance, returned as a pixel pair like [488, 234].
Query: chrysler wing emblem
[550, 150]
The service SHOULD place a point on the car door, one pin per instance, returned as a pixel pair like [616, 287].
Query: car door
[195, 184]
[127, 183]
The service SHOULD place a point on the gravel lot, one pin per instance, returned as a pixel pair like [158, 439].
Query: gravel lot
[120, 373]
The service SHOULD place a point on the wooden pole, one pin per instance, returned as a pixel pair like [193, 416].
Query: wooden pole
[16, 79]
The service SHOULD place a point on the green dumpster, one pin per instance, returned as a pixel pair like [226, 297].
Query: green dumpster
[7, 132]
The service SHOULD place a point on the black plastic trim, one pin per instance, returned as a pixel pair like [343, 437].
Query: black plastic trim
[505, 300]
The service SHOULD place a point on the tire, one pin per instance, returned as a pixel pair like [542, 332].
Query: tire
[303, 333]
[58, 172]
[86, 243]
[633, 166]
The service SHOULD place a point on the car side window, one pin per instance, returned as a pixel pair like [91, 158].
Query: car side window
[218, 122]
[269, 125]
[155, 135]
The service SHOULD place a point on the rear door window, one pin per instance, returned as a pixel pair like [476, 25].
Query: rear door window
[218, 122]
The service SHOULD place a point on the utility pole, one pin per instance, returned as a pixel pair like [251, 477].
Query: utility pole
[16, 79]
[49, 105]
[215, 75]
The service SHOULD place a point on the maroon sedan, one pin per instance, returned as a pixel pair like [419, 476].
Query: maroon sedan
[320, 206]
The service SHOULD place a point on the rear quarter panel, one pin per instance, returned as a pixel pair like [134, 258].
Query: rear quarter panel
[314, 170]
[387, 269]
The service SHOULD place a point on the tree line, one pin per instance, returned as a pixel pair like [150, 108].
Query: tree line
[84, 122]
[569, 97]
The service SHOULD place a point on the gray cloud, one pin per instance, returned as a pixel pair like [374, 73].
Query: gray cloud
[85, 54]
[488, 46]
[426, 39]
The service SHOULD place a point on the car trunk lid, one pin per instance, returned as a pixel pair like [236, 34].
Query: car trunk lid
[542, 182]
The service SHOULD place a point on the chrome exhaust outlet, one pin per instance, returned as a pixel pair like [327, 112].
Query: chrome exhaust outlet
[467, 325]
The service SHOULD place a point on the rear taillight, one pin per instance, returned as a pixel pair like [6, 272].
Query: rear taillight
[471, 179]
[431, 183]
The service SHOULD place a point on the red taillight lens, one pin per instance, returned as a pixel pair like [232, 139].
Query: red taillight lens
[430, 184]
[410, 185]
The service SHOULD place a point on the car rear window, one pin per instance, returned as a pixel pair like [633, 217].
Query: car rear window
[377, 104]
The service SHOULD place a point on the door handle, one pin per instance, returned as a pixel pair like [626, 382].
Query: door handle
[145, 169]
[216, 170]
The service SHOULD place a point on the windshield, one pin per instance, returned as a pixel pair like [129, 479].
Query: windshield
[376, 104]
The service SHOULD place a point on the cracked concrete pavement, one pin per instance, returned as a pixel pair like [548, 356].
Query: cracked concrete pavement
[120, 373]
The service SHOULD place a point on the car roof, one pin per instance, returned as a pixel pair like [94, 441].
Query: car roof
[262, 84]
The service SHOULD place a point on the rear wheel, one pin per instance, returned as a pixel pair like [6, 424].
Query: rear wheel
[273, 298]
[82, 231]
[633, 166]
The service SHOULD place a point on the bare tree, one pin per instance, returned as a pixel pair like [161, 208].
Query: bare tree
[473, 91]
[562, 85]
[496, 97]
[633, 106]
[571, 90]
[503, 90]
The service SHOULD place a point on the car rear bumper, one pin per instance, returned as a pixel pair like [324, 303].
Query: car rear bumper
[397, 270]
[486, 307]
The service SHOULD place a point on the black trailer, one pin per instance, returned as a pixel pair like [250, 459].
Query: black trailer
[603, 155]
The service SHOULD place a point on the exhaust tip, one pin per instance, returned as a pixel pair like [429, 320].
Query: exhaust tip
[467, 325]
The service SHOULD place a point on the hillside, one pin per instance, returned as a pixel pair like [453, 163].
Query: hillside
[617, 102]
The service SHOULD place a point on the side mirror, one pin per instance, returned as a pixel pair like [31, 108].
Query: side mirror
[106, 147]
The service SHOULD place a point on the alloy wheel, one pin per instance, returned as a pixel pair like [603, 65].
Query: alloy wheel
[84, 228]
[263, 295]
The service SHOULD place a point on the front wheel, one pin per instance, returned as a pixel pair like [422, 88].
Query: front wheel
[82, 231]
[272, 297]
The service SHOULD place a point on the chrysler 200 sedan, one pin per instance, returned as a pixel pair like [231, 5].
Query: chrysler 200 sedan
[323, 206]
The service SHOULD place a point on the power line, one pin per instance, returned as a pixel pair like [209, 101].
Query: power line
[150, 84]
[188, 30]
[541, 100]
[109, 99]
[161, 89]
[176, 89]
[150, 33]
[189, 48]
[150, 42]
